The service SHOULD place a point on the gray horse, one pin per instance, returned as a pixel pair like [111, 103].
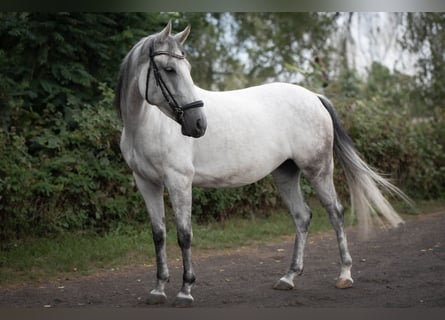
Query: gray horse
[178, 135]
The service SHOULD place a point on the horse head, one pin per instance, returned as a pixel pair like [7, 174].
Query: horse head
[167, 82]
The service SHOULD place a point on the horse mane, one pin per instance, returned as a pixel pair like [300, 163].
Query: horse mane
[117, 93]
[122, 82]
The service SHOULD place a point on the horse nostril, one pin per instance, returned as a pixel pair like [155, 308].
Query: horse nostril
[201, 127]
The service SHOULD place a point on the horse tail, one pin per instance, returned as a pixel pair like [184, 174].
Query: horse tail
[364, 183]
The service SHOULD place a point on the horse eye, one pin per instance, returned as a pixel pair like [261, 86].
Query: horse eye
[169, 69]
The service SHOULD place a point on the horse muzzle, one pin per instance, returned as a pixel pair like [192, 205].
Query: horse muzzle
[193, 120]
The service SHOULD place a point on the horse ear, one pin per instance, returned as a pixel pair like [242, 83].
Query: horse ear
[167, 31]
[182, 36]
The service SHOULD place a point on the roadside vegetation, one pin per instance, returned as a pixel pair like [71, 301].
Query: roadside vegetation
[74, 254]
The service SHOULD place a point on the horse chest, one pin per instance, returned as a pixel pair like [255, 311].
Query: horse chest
[154, 158]
[143, 158]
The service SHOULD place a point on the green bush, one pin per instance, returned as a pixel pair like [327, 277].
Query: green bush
[56, 177]
[410, 151]
[219, 204]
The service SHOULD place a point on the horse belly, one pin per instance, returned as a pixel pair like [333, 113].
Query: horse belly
[225, 177]
[235, 163]
[230, 177]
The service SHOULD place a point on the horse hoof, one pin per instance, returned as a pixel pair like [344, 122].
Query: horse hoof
[183, 300]
[283, 284]
[344, 283]
[157, 298]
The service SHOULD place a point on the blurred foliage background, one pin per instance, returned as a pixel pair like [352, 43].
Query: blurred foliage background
[60, 165]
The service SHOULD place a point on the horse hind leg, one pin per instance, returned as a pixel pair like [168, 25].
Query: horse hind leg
[322, 181]
[287, 179]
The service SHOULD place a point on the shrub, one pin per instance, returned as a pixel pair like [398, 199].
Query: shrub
[219, 204]
[59, 175]
[410, 151]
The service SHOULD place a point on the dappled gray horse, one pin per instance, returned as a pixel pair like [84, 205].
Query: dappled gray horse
[244, 135]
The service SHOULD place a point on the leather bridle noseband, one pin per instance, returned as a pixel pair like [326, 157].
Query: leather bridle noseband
[176, 108]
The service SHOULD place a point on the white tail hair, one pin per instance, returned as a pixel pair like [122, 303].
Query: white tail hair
[365, 184]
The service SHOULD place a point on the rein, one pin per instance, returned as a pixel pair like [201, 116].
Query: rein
[168, 96]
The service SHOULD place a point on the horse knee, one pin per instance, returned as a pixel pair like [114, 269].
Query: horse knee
[184, 238]
[302, 223]
[159, 236]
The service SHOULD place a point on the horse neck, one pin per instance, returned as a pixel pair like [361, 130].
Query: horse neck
[133, 108]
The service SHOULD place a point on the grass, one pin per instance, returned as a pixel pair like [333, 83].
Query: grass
[242, 231]
[34, 259]
[74, 254]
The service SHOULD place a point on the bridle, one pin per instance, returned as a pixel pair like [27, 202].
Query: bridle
[176, 108]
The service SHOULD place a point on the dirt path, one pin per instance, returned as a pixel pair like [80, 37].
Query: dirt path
[397, 268]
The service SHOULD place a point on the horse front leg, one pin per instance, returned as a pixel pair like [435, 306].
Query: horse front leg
[153, 195]
[181, 198]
